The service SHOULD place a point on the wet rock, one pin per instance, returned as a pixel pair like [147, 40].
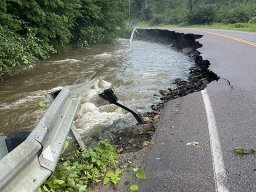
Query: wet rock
[155, 119]
[193, 79]
[179, 82]
[204, 81]
[160, 105]
[151, 133]
[147, 119]
[165, 92]
[154, 108]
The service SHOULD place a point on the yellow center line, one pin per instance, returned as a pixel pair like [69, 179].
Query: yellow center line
[230, 37]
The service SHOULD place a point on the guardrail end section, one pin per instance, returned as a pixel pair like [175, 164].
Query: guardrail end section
[20, 169]
[30, 180]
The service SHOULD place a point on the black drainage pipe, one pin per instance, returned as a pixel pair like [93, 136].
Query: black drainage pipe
[110, 96]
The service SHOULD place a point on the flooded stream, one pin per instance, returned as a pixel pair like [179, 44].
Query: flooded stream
[135, 73]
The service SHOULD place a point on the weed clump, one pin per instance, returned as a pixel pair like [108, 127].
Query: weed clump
[85, 169]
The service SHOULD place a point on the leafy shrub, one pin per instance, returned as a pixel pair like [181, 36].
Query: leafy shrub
[16, 50]
[13, 51]
[86, 168]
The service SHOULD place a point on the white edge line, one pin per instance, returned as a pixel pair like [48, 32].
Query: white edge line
[220, 175]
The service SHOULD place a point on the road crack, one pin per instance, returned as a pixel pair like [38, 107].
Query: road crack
[230, 85]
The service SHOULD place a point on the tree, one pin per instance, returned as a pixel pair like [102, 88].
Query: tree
[31, 29]
[99, 21]
[201, 15]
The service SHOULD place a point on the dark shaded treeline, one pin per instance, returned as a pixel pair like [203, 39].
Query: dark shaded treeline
[34, 29]
[193, 11]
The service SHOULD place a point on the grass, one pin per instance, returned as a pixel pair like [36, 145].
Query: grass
[249, 27]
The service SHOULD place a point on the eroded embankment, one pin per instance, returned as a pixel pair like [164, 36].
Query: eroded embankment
[135, 138]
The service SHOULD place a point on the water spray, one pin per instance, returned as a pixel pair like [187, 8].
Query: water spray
[132, 35]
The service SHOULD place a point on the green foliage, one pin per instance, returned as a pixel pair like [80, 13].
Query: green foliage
[193, 12]
[251, 27]
[42, 104]
[12, 51]
[252, 20]
[34, 29]
[99, 21]
[201, 15]
[134, 188]
[157, 19]
[140, 174]
[236, 14]
[245, 151]
[83, 170]
[114, 177]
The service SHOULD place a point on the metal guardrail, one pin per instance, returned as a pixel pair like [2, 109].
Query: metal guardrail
[27, 166]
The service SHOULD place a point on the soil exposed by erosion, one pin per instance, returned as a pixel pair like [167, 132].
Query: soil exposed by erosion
[137, 137]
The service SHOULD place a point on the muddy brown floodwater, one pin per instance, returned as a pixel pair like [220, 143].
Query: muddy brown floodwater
[136, 74]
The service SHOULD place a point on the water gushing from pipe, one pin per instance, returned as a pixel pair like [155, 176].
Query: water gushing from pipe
[132, 36]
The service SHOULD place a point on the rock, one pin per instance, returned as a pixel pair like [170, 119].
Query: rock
[146, 119]
[147, 143]
[119, 149]
[151, 133]
[204, 81]
[164, 92]
[193, 79]
[202, 87]
[142, 129]
[153, 107]
[176, 81]
[160, 105]
[156, 118]
[132, 141]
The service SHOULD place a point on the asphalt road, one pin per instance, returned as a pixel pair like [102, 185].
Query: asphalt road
[220, 118]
